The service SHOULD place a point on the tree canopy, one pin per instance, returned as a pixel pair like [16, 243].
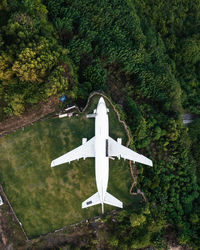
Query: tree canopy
[145, 54]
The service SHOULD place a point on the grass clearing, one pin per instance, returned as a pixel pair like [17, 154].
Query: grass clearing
[46, 198]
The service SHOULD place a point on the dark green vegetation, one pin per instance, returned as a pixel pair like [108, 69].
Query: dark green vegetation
[46, 199]
[145, 55]
[33, 66]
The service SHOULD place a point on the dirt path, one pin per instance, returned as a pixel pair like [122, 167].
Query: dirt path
[31, 115]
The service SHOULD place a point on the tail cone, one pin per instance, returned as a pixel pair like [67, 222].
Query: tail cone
[102, 207]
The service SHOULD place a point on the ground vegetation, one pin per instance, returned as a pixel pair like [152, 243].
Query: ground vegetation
[145, 55]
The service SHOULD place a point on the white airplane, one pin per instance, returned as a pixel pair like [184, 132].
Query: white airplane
[101, 146]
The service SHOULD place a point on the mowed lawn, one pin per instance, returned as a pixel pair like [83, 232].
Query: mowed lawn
[46, 198]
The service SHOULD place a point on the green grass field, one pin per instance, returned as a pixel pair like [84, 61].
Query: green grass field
[46, 199]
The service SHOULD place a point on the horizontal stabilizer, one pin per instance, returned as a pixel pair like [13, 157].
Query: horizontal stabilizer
[93, 200]
[111, 200]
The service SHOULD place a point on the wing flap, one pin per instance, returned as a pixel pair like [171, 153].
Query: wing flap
[116, 149]
[83, 151]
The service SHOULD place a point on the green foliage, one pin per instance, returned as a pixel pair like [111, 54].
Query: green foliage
[172, 130]
[158, 242]
[155, 182]
[15, 106]
[190, 50]
[34, 64]
[56, 82]
[157, 133]
[95, 74]
[113, 241]
[137, 122]
[177, 24]
[141, 241]
[194, 218]
[30, 58]
[6, 72]
[194, 132]
[137, 220]
[79, 48]
[3, 5]
[145, 55]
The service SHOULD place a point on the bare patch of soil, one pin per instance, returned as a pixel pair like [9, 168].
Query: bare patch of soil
[31, 115]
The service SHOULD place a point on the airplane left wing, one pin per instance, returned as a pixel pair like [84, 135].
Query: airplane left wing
[116, 149]
[83, 151]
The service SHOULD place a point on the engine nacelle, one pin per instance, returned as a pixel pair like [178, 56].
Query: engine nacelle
[84, 140]
[119, 140]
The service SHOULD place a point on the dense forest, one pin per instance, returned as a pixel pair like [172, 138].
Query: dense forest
[144, 54]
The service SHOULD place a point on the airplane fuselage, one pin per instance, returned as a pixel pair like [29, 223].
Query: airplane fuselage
[101, 149]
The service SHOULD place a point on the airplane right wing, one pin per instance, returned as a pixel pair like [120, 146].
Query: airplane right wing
[83, 151]
[111, 200]
[116, 149]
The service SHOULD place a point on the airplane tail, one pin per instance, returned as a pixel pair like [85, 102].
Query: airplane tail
[111, 200]
[108, 199]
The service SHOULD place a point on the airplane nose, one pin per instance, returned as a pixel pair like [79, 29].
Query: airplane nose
[101, 100]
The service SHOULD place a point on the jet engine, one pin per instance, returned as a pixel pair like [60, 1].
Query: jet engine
[84, 140]
[119, 140]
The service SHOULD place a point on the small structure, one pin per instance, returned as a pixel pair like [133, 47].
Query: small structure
[72, 107]
[1, 201]
[187, 118]
[66, 115]
[63, 98]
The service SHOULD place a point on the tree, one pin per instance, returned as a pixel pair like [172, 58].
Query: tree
[137, 220]
[95, 74]
[15, 105]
